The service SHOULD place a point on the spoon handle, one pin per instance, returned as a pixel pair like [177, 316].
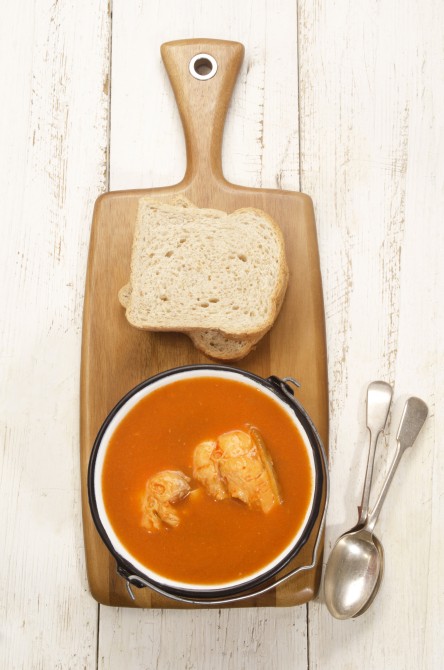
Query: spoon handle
[413, 418]
[379, 397]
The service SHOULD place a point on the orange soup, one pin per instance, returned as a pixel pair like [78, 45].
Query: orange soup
[216, 541]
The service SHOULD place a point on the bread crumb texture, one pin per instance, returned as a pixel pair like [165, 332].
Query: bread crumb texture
[201, 269]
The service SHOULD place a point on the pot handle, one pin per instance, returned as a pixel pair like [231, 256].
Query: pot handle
[136, 580]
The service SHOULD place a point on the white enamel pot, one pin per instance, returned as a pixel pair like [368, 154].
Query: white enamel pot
[136, 574]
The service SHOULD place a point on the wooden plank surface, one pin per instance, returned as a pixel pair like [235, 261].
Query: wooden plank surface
[371, 116]
[53, 136]
[371, 91]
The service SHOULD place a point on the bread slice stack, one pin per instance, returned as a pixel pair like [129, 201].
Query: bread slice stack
[219, 278]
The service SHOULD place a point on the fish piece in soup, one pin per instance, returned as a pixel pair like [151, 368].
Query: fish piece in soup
[162, 491]
[206, 470]
[247, 469]
[268, 463]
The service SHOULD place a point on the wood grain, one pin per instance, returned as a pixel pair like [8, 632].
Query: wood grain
[369, 117]
[54, 137]
[115, 356]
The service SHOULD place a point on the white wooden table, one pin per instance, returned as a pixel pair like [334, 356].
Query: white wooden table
[340, 99]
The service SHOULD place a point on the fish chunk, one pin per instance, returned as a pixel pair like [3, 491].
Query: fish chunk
[247, 470]
[206, 471]
[238, 465]
[268, 463]
[162, 490]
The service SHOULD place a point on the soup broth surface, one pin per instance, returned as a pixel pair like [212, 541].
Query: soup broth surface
[216, 541]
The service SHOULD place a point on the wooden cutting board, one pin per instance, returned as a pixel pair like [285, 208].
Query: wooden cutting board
[116, 357]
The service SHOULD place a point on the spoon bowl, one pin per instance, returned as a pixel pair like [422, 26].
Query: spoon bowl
[353, 574]
[380, 549]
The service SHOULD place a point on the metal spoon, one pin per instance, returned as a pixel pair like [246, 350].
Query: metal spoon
[354, 569]
[379, 398]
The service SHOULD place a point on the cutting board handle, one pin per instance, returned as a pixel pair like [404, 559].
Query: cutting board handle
[203, 73]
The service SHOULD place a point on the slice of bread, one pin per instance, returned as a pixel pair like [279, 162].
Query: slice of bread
[197, 270]
[212, 343]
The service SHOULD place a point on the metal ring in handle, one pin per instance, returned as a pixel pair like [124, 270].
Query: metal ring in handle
[204, 59]
[281, 580]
